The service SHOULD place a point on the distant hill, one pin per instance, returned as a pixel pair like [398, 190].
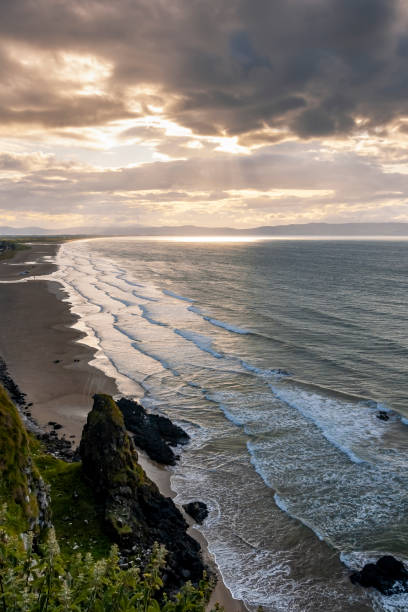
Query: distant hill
[24, 231]
[304, 229]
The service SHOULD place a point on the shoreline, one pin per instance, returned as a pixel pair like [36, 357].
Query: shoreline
[221, 594]
[47, 360]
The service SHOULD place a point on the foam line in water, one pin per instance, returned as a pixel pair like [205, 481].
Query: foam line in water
[231, 417]
[160, 360]
[282, 505]
[175, 295]
[144, 297]
[317, 410]
[202, 342]
[126, 303]
[232, 328]
[278, 372]
[228, 326]
[149, 318]
[128, 282]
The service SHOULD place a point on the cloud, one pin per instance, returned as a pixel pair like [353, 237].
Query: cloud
[288, 183]
[310, 66]
[237, 111]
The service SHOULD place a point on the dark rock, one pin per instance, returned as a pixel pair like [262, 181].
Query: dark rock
[388, 576]
[197, 510]
[58, 447]
[382, 415]
[57, 360]
[8, 383]
[136, 514]
[152, 433]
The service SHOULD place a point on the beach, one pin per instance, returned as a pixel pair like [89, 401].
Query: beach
[47, 361]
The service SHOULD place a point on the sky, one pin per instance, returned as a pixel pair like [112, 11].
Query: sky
[234, 113]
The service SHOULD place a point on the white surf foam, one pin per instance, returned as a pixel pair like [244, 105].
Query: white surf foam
[176, 296]
[315, 469]
[227, 326]
[148, 317]
[202, 342]
[352, 428]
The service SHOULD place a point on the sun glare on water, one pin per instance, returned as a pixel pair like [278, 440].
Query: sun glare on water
[209, 238]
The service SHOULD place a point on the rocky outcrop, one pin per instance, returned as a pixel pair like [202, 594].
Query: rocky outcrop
[388, 576]
[152, 433]
[136, 514]
[197, 510]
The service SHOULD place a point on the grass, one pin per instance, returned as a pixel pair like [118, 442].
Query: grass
[10, 248]
[15, 468]
[77, 518]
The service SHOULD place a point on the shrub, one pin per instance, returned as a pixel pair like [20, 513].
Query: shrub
[41, 580]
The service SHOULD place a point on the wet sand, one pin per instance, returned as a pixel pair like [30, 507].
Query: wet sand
[48, 362]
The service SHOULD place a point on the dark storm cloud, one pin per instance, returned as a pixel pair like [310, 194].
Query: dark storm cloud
[231, 66]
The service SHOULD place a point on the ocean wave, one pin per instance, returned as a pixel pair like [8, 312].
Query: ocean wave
[157, 358]
[276, 372]
[149, 318]
[284, 507]
[144, 297]
[202, 342]
[309, 478]
[344, 425]
[176, 296]
[228, 326]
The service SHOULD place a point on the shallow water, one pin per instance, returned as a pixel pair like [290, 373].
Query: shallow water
[276, 357]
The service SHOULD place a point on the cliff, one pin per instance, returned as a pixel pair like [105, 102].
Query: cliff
[135, 512]
[21, 486]
[70, 563]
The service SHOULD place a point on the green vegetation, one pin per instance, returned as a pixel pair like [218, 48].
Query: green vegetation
[17, 472]
[8, 248]
[47, 582]
[69, 565]
[76, 516]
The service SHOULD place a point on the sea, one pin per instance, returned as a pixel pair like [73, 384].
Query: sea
[279, 357]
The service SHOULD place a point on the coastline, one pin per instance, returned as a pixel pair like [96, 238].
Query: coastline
[221, 594]
[46, 359]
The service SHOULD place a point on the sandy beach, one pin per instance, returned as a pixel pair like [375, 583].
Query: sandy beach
[51, 367]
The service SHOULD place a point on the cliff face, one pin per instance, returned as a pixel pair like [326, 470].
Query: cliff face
[21, 486]
[136, 513]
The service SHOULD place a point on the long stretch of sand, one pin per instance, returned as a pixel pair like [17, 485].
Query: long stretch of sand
[41, 349]
[47, 362]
